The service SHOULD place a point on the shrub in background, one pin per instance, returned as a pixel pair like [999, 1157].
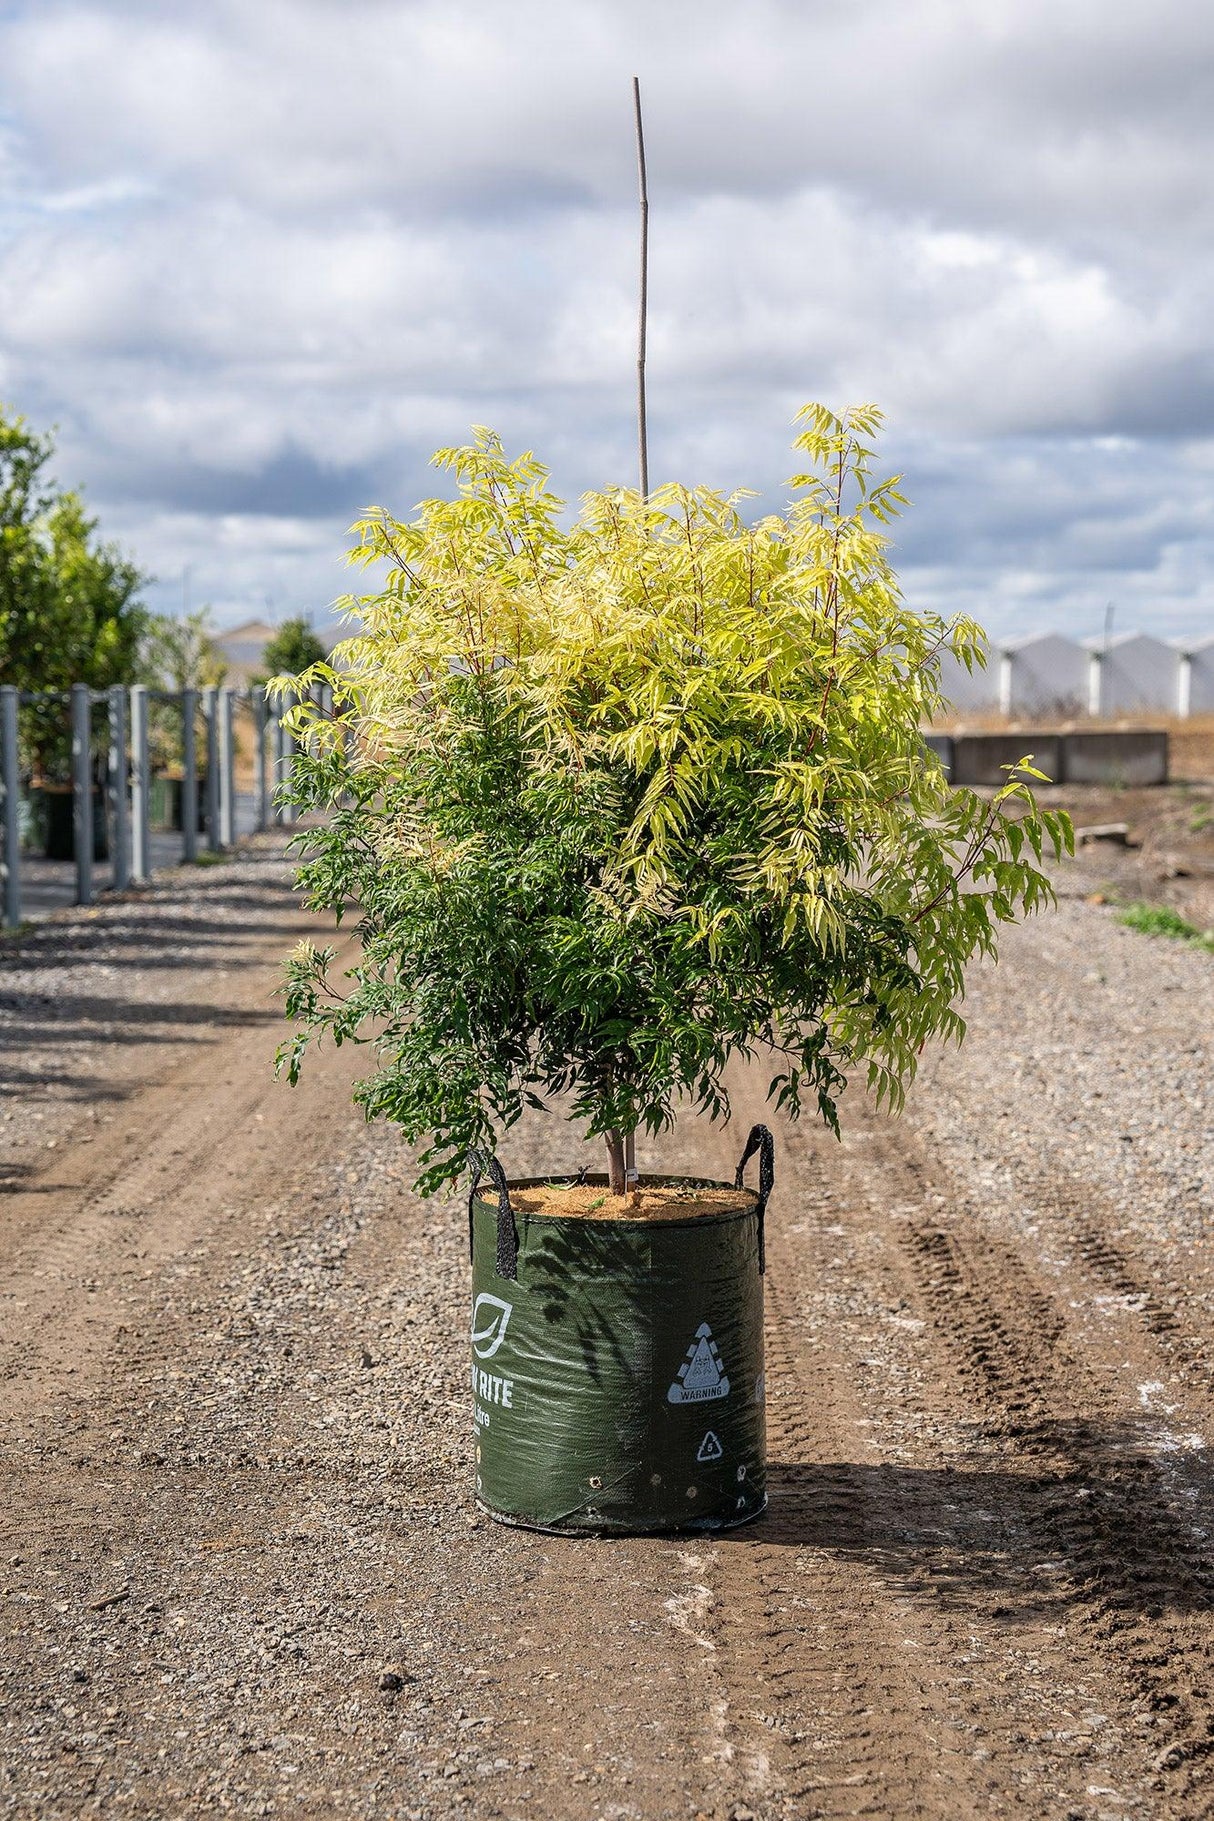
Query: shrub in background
[69, 604]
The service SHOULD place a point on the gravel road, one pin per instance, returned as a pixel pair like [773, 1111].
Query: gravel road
[242, 1570]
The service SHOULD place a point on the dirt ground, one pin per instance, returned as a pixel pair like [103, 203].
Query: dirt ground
[241, 1566]
[1166, 855]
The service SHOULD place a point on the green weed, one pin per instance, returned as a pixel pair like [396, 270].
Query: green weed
[1162, 920]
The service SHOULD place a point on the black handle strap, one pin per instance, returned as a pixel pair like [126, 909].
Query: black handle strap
[760, 1140]
[507, 1232]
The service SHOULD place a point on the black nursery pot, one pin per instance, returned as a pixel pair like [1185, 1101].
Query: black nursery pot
[166, 803]
[617, 1364]
[52, 827]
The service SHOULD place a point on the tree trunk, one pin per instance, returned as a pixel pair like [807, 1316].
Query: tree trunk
[615, 1161]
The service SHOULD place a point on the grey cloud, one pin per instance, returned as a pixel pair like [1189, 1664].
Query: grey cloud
[1040, 533]
[1061, 131]
[986, 117]
[256, 259]
[290, 483]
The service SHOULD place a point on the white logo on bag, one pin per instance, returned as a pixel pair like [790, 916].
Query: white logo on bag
[710, 1448]
[490, 1319]
[701, 1376]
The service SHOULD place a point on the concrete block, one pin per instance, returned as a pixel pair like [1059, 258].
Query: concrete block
[1130, 756]
[942, 745]
[978, 758]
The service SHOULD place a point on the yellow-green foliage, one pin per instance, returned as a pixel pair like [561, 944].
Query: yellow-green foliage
[714, 728]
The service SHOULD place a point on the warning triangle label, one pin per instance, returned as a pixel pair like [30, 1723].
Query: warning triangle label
[701, 1377]
[709, 1449]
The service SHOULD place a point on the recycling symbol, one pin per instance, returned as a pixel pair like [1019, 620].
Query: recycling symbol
[709, 1449]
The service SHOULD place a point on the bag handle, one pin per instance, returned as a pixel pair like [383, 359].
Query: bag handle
[760, 1140]
[507, 1232]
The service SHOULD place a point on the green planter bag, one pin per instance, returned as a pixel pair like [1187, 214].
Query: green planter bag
[617, 1363]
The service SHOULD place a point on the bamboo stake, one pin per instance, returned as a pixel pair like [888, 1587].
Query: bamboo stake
[643, 436]
[630, 1143]
[642, 423]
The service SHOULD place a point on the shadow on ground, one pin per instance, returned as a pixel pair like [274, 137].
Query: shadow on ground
[1116, 1525]
[189, 923]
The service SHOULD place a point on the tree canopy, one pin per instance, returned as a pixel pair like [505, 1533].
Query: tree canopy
[294, 647]
[181, 652]
[626, 799]
[70, 609]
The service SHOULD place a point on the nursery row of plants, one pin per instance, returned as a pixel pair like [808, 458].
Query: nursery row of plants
[142, 761]
[81, 657]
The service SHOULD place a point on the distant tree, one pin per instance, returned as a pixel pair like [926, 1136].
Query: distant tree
[178, 652]
[293, 648]
[25, 573]
[70, 610]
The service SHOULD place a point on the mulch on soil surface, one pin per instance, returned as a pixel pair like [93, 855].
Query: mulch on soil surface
[652, 1201]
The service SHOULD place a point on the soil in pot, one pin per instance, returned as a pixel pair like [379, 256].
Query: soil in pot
[678, 1200]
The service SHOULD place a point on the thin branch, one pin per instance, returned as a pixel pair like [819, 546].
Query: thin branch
[970, 859]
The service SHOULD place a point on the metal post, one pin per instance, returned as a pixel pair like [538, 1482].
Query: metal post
[259, 757]
[12, 805]
[189, 776]
[227, 770]
[120, 815]
[286, 767]
[141, 835]
[210, 709]
[82, 790]
[280, 752]
[275, 768]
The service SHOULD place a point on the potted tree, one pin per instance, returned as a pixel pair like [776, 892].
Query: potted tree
[616, 802]
[177, 654]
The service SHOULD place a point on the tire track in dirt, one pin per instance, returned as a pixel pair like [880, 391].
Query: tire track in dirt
[846, 1695]
[1144, 1542]
[834, 1673]
[1073, 1598]
[1117, 1507]
[202, 1147]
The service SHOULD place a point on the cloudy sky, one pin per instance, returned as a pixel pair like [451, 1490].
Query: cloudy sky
[258, 260]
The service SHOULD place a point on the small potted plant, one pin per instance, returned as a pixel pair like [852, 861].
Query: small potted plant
[617, 801]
